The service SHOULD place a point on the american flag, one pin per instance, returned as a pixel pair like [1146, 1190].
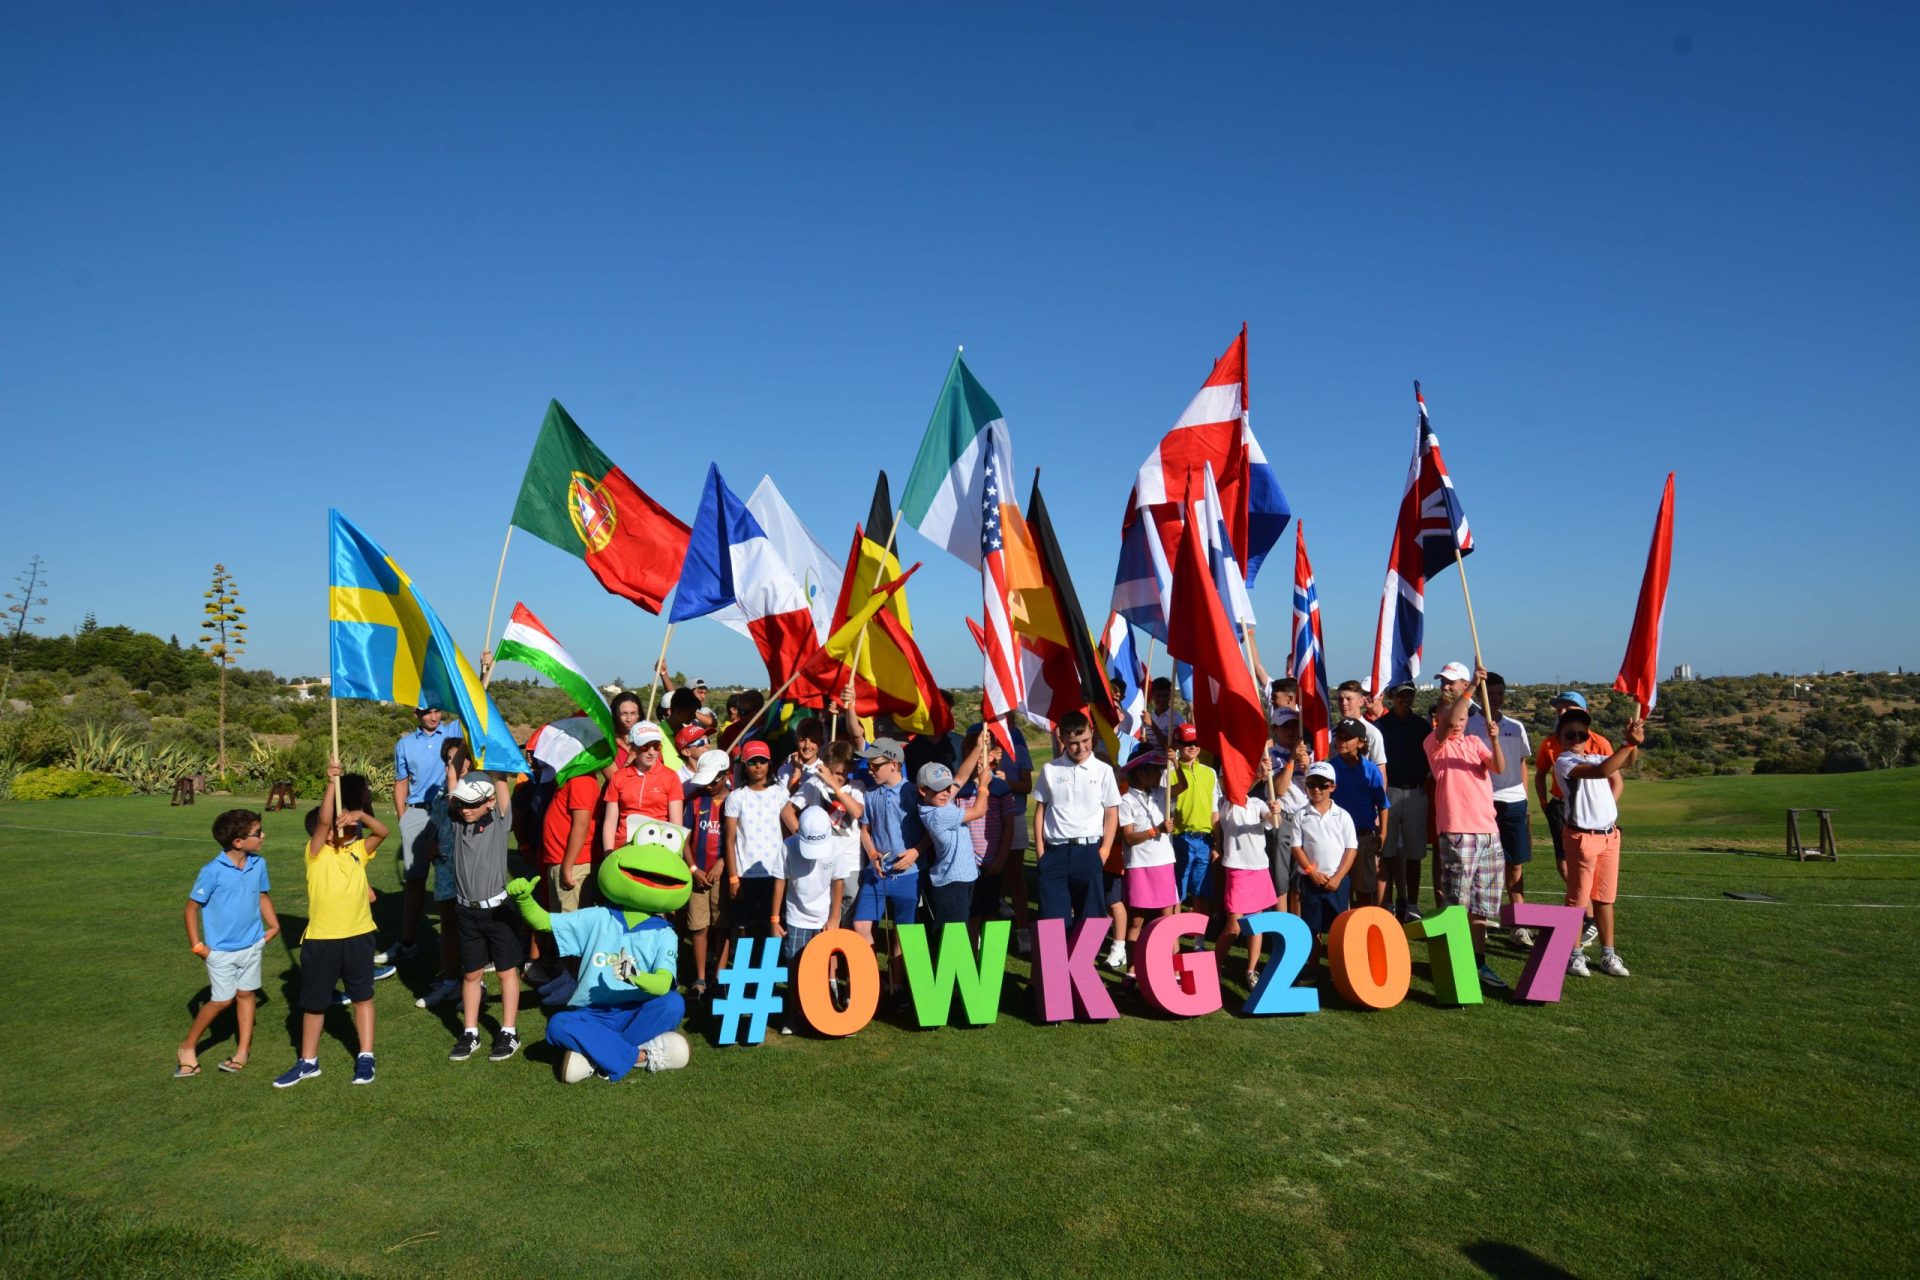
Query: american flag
[1431, 524]
[1004, 690]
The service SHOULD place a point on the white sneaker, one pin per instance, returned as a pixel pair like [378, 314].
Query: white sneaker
[441, 992]
[668, 1051]
[574, 1068]
[1590, 934]
[1523, 938]
[1117, 957]
[1577, 966]
[1613, 966]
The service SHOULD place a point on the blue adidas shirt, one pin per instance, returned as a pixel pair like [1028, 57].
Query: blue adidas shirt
[601, 938]
[229, 899]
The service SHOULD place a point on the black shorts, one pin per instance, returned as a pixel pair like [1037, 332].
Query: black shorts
[327, 961]
[1556, 824]
[753, 907]
[986, 895]
[488, 934]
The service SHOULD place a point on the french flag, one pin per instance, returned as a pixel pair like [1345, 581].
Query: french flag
[1428, 535]
[731, 561]
[1128, 676]
[1215, 431]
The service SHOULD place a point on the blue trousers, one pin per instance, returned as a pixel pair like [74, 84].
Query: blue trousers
[1192, 859]
[1071, 884]
[611, 1036]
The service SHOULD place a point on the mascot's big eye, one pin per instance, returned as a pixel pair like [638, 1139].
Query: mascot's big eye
[648, 834]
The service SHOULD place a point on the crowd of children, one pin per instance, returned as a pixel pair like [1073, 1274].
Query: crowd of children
[903, 829]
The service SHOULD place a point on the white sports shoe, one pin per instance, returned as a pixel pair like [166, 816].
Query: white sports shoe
[441, 992]
[1117, 957]
[668, 1051]
[1577, 966]
[574, 1068]
[1590, 934]
[1613, 966]
[1523, 938]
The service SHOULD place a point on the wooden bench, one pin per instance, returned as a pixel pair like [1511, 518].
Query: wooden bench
[1797, 848]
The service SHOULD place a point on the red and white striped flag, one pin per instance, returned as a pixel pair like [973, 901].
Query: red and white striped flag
[1005, 687]
[1640, 669]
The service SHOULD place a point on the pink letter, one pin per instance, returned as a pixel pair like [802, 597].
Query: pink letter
[1067, 982]
[1546, 967]
[1161, 969]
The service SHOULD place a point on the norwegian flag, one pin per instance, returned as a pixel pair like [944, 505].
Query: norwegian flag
[1213, 432]
[1005, 688]
[1430, 527]
[1307, 660]
[1226, 708]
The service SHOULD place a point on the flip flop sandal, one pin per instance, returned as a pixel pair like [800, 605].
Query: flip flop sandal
[181, 1071]
[234, 1066]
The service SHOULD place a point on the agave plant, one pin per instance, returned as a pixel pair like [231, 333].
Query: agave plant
[98, 748]
[142, 766]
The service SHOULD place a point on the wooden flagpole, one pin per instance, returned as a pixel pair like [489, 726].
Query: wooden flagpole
[1473, 628]
[486, 642]
[653, 693]
[333, 719]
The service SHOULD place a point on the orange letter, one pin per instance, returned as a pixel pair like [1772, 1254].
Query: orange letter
[1368, 955]
[816, 992]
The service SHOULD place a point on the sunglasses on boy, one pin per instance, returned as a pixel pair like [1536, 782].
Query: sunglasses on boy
[1318, 784]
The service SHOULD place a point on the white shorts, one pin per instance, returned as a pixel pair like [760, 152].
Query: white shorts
[231, 971]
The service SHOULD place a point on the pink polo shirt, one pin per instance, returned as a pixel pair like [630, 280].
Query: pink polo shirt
[1462, 785]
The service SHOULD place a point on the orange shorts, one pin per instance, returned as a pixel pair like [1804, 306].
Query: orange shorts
[1593, 867]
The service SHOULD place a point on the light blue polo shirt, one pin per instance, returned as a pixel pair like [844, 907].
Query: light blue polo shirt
[892, 818]
[952, 844]
[599, 936]
[416, 758]
[229, 899]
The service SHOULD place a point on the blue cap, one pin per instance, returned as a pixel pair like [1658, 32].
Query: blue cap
[1572, 698]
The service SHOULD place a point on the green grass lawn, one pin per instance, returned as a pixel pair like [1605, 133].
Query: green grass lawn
[1735, 1108]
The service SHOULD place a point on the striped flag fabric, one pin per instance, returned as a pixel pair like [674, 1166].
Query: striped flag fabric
[571, 746]
[731, 561]
[1127, 674]
[1307, 659]
[1059, 663]
[944, 497]
[817, 572]
[1226, 708]
[1004, 688]
[1430, 527]
[1215, 431]
[1640, 670]
[1227, 579]
[528, 642]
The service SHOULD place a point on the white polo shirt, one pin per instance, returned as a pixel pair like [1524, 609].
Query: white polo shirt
[1590, 803]
[1077, 797]
[1243, 835]
[1142, 810]
[1510, 783]
[1325, 837]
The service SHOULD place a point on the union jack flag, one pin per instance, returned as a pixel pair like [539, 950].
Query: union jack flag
[1430, 528]
[1307, 660]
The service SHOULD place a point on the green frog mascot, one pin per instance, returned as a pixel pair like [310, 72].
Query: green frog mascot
[624, 1012]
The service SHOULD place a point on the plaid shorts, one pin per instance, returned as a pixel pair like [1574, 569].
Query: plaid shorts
[1472, 869]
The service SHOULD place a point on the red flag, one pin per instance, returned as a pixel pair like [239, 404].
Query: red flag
[1640, 669]
[994, 717]
[1226, 708]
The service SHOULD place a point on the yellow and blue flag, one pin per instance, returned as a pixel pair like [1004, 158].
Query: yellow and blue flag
[388, 645]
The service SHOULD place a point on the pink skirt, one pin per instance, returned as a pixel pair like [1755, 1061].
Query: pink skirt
[1249, 890]
[1150, 888]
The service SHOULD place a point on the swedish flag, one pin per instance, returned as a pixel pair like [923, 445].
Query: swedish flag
[388, 645]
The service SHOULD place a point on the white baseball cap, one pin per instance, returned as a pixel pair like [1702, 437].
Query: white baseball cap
[709, 766]
[1322, 769]
[816, 828]
[475, 788]
[1455, 671]
[643, 733]
[1282, 715]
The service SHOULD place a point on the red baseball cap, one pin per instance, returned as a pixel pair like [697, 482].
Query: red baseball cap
[688, 736]
[1186, 733]
[755, 750]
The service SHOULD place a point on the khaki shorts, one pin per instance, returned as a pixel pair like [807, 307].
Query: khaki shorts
[707, 908]
[559, 897]
[1366, 863]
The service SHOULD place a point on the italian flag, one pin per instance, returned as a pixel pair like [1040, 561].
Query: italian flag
[570, 742]
[575, 498]
[945, 489]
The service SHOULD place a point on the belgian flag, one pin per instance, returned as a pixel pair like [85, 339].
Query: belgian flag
[1064, 670]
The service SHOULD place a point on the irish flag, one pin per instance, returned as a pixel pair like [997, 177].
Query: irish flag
[575, 498]
[946, 491]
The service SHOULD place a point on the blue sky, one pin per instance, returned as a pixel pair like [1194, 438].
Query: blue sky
[266, 259]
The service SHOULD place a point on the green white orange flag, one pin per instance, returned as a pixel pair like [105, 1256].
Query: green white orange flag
[571, 747]
[943, 497]
[575, 498]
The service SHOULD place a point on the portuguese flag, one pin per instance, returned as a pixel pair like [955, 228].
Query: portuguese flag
[575, 498]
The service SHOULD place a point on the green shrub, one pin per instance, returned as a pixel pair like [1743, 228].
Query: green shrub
[66, 784]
